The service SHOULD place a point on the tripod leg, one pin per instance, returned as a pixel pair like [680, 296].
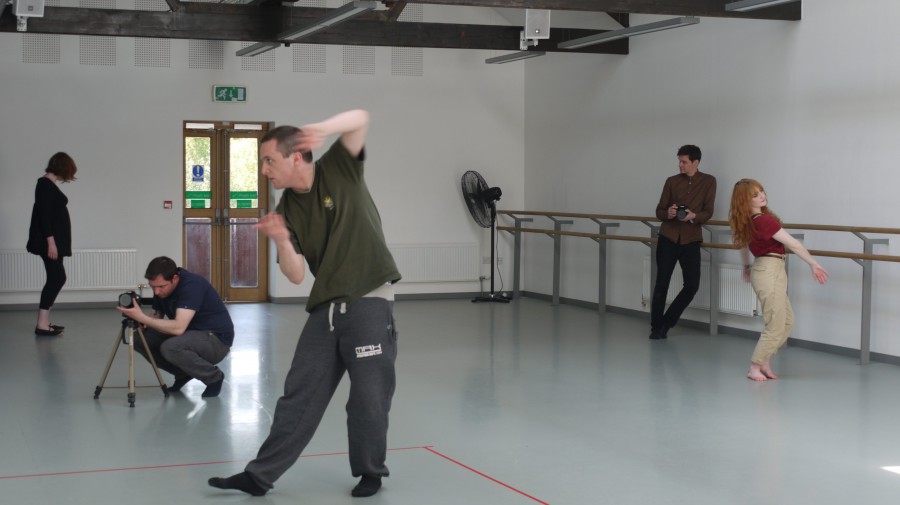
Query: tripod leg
[109, 363]
[131, 393]
[162, 383]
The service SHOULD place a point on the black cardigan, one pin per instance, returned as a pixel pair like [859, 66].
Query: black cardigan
[49, 218]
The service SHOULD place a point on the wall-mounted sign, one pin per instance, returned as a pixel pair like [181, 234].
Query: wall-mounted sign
[230, 94]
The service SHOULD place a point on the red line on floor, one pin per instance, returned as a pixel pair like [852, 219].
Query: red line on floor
[179, 465]
[488, 477]
[81, 472]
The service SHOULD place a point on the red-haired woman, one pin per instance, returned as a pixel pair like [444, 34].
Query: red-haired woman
[50, 235]
[757, 230]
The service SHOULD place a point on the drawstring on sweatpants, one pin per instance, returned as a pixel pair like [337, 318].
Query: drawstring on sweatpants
[331, 314]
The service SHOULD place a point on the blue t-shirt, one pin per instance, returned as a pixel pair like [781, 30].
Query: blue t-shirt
[196, 293]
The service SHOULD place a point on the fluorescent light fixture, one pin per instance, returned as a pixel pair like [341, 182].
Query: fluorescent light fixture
[258, 48]
[339, 15]
[521, 55]
[749, 5]
[893, 469]
[628, 32]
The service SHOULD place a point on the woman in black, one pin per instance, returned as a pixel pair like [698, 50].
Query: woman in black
[50, 235]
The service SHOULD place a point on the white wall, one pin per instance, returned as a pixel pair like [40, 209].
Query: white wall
[122, 125]
[809, 108]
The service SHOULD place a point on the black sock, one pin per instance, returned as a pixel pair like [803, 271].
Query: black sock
[178, 384]
[368, 485]
[213, 389]
[240, 481]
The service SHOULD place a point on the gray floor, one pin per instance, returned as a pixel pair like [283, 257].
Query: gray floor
[497, 404]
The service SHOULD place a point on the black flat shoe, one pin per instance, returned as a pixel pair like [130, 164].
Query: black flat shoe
[57, 327]
[52, 332]
[179, 383]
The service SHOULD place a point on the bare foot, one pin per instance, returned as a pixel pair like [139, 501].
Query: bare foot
[769, 373]
[756, 374]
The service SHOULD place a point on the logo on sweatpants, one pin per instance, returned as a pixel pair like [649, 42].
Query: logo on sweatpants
[368, 350]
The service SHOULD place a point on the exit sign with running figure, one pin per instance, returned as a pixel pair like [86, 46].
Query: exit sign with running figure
[230, 94]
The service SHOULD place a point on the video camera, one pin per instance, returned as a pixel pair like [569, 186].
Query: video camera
[681, 211]
[126, 299]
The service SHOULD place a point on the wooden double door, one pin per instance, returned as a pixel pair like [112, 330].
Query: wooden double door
[225, 194]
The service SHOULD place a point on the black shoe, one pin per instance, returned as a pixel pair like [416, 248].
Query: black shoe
[658, 334]
[178, 384]
[368, 485]
[52, 332]
[57, 327]
[213, 390]
[664, 334]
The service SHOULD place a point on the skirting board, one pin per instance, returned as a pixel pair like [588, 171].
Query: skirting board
[739, 332]
[411, 296]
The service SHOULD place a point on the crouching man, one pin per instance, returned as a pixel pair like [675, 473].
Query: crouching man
[189, 331]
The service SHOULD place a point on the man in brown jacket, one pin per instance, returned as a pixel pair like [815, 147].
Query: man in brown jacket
[687, 201]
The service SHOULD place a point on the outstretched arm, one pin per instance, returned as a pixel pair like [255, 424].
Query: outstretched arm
[819, 273]
[352, 126]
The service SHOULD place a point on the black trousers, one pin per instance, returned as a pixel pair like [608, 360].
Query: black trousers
[669, 253]
[359, 338]
[56, 279]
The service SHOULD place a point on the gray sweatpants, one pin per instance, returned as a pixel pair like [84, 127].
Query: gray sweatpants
[362, 342]
[193, 354]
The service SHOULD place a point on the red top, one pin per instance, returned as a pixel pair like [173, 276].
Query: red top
[761, 242]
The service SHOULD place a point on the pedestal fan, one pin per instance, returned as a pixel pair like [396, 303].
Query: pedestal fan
[480, 200]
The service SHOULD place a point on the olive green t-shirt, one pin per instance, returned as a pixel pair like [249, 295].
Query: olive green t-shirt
[337, 228]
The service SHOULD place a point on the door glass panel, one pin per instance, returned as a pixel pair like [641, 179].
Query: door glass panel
[198, 241]
[244, 173]
[244, 251]
[197, 184]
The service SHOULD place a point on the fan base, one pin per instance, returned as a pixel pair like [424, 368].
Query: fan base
[493, 297]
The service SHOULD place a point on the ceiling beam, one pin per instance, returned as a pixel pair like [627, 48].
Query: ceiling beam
[395, 8]
[621, 18]
[252, 24]
[702, 8]
[175, 5]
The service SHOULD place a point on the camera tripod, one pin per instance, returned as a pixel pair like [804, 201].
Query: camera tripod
[126, 336]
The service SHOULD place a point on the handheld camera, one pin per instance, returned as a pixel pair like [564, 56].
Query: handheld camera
[126, 299]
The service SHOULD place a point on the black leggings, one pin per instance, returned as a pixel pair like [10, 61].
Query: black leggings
[56, 279]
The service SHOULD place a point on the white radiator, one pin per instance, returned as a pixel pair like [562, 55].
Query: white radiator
[735, 295]
[437, 262]
[86, 269]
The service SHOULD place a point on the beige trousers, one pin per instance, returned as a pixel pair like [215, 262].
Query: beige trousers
[769, 281]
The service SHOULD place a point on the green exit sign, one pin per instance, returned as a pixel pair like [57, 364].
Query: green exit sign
[230, 94]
